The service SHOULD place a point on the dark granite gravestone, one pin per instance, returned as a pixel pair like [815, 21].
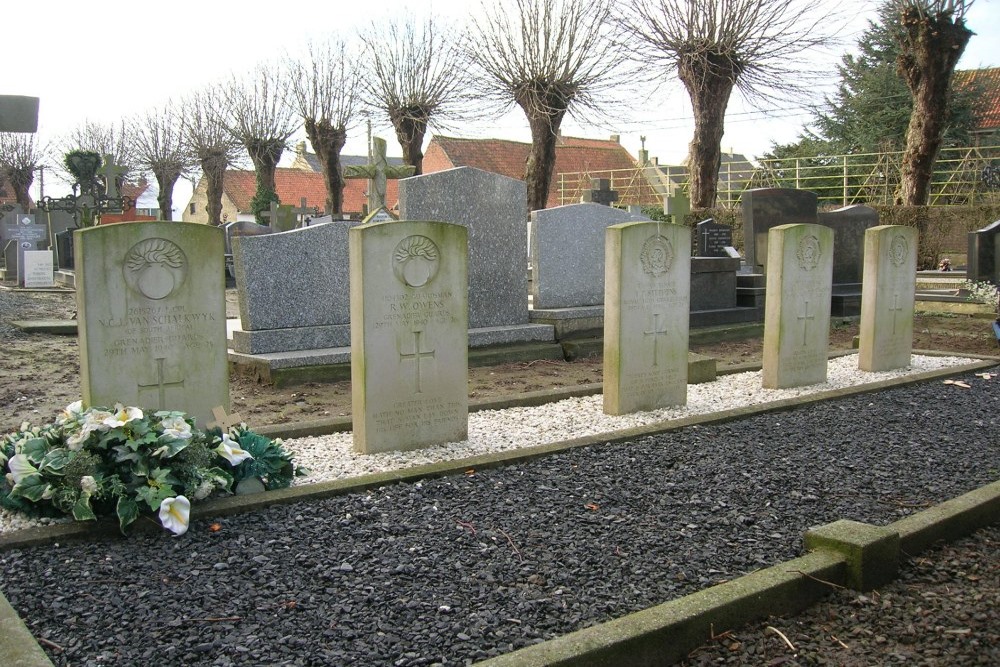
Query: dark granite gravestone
[64, 249]
[765, 208]
[984, 246]
[849, 225]
[600, 192]
[712, 238]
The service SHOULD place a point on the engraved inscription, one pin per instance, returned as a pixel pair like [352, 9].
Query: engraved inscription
[155, 268]
[657, 255]
[808, 253]
[156, 330]
[898, 250]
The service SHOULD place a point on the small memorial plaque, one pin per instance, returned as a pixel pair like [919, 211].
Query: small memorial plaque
[713, 238]
[38, 268]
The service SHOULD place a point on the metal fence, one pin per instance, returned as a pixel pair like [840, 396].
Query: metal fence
[962, 177]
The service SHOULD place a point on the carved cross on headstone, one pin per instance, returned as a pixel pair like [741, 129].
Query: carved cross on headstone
[416, 356]
[600, 192]
[222, 420]
[805, 318]
[656, 332]
[161, 384]
[112, 172]
[378, 172]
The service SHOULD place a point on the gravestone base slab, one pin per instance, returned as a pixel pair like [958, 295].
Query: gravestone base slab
[511, 334]
[292, 339]
[846, 301]
[65, 278]
[588, 321]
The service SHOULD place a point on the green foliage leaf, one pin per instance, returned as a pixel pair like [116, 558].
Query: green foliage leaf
[169, 446]
[82, 510]
[31, 487]
[154, 495]
[127, 511]
[55, 461]
[35, 449]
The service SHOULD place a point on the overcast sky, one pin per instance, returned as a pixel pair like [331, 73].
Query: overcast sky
[107, 60]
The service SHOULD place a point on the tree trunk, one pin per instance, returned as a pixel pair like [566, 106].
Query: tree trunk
[542, 157]
[213, 166]
[410, 126]
[709, 89]
[165, 198]
[930, 47]
[265, 156]
[328, 141]
[20, 182]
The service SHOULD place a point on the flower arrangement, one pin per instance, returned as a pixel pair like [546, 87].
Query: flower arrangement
[96, 461]
[983, 292]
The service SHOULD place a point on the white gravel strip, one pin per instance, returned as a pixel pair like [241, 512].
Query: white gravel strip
[332, 457]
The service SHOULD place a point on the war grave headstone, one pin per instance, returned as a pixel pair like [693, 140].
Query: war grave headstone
[849, 225]
[36, 267]
[647, 298]
[409, 335]
[293, 290]
[567, 253]
[984, 249]
[152, 313]
[797, 313]
[494, 208]
[765, 208]
[890, 281]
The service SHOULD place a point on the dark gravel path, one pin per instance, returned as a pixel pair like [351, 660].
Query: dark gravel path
[454, 570]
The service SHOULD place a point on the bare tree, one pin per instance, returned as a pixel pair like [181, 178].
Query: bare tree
[548, 57]
[20, 156]
[160, 149]
[714, 46]
[415, 76]
[114, 139]
[261, 118]
[931, 41]
[211, 145]
[324, 87]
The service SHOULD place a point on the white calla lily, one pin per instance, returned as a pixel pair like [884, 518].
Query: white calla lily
[176, 428]
[122, 415]
[231, 451]
[71, 411]
[20, 467]
[88, 484]
[175, 514]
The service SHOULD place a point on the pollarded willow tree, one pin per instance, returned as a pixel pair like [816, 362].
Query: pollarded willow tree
[415, 77]
[325, 93]
[20, 156]
[210, 144]
[261, 118]
[932, 37]
[549, 57]
[161, 150]
[714, 46]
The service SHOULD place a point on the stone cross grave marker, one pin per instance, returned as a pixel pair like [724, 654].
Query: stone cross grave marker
[270, 216]
[567, 253]
[890, 280]
[152, 313]
[600, 192]
[712, 238]
[646, 316]
[409, 335]
[304, 213]
[769, 207]
[797, 311]
[112, 172]
[378, 171]
[983, 261]
[37, 268]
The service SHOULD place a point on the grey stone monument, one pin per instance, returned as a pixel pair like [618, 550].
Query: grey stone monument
[567, 253]
[494, 208]
[765, 208]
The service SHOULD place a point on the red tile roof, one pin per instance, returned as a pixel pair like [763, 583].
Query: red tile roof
[294, 184]
[500, 156]
[988, 82]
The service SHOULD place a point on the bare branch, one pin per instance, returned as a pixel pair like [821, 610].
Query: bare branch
[104, 139]
[160, 150]
[210, 143]
[20, 155]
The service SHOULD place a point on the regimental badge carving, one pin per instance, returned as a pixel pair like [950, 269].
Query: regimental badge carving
[899, 249]
[808, 253]
[155, 268]
[416, 260]
[657, 255]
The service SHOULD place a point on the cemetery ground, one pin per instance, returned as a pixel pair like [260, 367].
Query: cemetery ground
[39, 373]
[938, 612]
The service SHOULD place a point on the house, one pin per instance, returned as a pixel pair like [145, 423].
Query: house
[986, 82]
[577, 161]
[291, 184]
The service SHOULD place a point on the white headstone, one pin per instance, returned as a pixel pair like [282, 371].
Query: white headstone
[797, 311]
[646, 313]
[38, 268]
[152, 312]
[890, 276]
[409, 334]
